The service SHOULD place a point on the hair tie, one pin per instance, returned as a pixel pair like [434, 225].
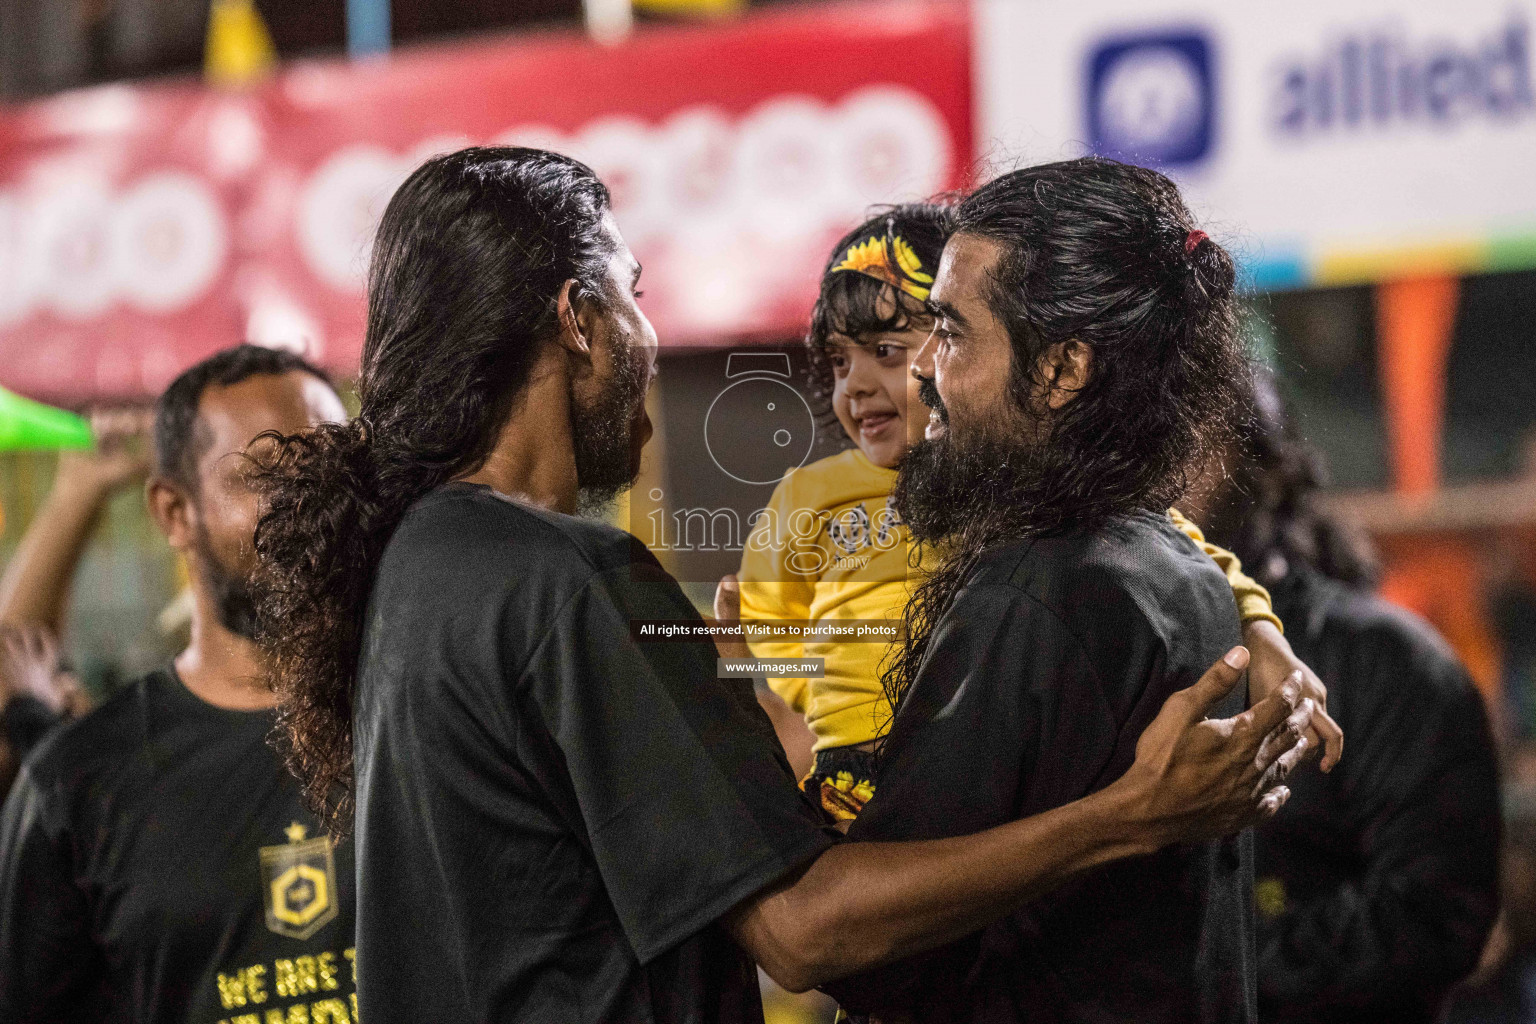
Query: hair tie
[1193, 239]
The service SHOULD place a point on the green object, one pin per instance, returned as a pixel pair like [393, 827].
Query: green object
[28, 426]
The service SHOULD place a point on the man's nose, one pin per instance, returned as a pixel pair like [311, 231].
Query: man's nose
[922, 359]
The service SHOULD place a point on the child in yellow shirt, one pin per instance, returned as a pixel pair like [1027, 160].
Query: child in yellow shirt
[829, 547]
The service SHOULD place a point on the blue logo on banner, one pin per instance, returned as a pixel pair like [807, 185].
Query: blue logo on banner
[1151, 99]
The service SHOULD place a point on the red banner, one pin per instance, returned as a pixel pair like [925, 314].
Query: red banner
[142, 227]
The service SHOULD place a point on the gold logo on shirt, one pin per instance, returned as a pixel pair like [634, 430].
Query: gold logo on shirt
[1269, 896]
[298, 884]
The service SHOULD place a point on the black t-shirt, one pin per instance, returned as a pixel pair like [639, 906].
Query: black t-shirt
[551, 816]
[1379, 882]
[1039, 681]
[156, 865]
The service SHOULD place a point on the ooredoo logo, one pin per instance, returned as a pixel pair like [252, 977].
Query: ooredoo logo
[790, 168]
[77, 247]
[1151, 98]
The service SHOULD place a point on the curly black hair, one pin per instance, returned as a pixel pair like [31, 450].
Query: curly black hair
[1269, 515]
[468, 261]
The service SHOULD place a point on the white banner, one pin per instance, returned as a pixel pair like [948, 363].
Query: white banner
[1326, 141]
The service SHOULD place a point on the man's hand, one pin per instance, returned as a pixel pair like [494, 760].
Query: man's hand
[728, 612]
[1196, 778]
[120, 458]
[1273, 663]
[29, 666]
[864, 904]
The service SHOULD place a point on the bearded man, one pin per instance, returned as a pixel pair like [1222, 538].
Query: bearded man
[1085, 352]
[156, 861]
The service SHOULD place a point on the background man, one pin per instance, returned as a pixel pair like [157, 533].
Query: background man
[1378, 888]
[155, 861]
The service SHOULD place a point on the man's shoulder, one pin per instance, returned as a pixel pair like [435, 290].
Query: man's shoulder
[470, 533]
[1134, 594]
[1373, 616]
[99, 744]
[1137, 562]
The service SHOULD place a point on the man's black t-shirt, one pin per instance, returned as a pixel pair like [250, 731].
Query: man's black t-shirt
[551, 816]
[1039, 680]
[156, 865]
[1379, 882]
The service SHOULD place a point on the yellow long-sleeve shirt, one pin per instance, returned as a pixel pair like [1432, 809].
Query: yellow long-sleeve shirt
[830, 547]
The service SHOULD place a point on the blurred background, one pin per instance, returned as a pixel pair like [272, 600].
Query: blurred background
[179, 175]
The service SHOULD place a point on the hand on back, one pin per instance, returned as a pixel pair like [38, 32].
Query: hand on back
[1196, 778]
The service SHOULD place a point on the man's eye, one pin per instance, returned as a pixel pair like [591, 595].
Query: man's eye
[883, 351]
[639, 294]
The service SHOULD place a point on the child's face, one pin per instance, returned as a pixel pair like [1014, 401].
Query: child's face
[873, 392]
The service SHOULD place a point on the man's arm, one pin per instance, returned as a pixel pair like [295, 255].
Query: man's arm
[860, 905]
[34, 590]
[35, 586]
[692, 816]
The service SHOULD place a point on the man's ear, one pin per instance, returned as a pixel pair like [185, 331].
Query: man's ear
[172, 512]
[574, 313]
[1066, 367]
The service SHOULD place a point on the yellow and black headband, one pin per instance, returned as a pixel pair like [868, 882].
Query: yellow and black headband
[890, 259]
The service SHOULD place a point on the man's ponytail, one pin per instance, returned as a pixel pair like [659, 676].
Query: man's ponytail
[469, 258]
[324, 523]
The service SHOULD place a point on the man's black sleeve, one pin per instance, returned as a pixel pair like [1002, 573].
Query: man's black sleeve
[49, 965]
[1419, 788]
[685, 795]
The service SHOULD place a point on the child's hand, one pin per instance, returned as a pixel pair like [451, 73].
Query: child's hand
[1273, 665]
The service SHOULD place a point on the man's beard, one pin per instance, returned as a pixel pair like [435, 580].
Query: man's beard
[604, 431]
[970, 489]
[232, 601]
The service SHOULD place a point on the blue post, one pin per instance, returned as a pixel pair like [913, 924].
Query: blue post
[367, 27]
